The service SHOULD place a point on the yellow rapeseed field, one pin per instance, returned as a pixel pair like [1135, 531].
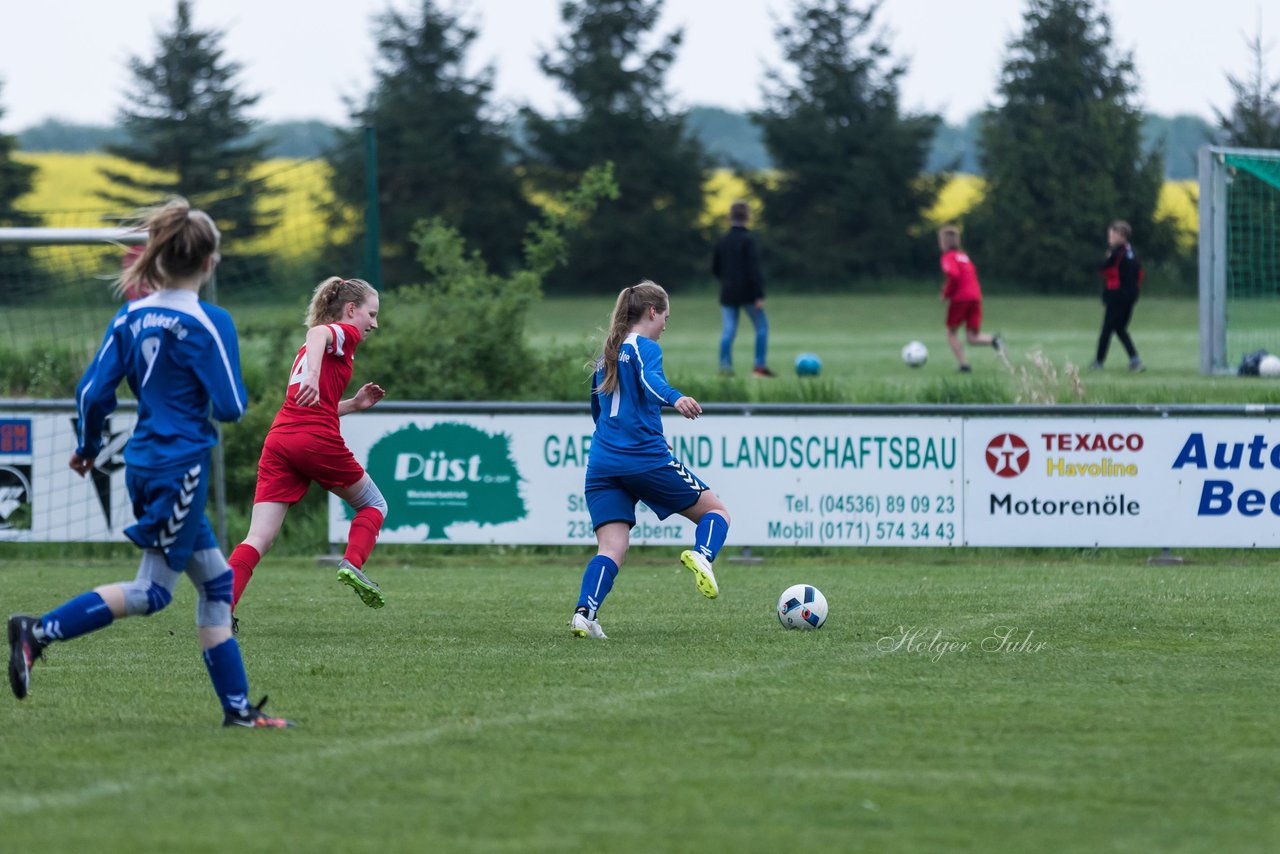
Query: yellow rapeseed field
[67, 187]
[1178, 199]
[67, 192]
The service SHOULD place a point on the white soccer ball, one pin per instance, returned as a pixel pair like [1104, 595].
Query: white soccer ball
[915, 354]
[1269, 366]
[802, 606]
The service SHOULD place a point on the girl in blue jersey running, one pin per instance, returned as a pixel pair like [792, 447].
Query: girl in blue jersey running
[630, 459]
[180, 357]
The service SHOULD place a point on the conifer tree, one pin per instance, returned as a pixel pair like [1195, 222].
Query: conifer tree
[623, 116]
[17, 272]
[1062, 155]
[440, 151]
[186, 120]
[849, 188]
[1254, 118]
[16, 180]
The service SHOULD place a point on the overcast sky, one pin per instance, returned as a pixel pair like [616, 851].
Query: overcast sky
[67, 58]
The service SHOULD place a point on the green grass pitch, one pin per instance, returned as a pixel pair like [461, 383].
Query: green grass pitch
[859, 338]
[1134, 708]
[462, 717]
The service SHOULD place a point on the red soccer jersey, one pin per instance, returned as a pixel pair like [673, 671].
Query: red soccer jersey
[335, 373]
[962, 277]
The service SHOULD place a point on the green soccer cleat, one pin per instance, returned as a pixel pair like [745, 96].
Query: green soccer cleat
[702, 574]
[369, 592]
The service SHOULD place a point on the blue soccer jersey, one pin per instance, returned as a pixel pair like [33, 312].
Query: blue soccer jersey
[179, 355]
[628, 437]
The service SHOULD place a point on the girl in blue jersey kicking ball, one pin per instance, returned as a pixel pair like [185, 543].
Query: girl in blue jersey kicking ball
[181, 358]
[630, 459]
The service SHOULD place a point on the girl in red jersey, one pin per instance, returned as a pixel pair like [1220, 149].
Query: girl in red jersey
[963, 295]
[304, 443]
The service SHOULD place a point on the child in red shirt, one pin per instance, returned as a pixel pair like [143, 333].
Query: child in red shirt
[960, 287]
[305, 444]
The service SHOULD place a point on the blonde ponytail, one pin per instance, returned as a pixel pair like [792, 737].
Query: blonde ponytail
[630, 307]
[179, 242]
[332, 294]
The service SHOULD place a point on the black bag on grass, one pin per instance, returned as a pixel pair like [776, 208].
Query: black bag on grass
[1249, 364]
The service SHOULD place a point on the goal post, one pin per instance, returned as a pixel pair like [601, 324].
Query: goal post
[1239, 255]
[55, 286]
[72, 236]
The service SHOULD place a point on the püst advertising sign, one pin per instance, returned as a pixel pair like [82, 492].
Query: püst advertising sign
[787, 480]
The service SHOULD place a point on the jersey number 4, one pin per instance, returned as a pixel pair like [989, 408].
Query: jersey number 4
[299, 368]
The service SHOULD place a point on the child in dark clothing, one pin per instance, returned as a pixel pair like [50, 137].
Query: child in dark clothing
[1122, 283]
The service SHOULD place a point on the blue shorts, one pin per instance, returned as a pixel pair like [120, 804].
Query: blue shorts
[666, 490]
[169, 507]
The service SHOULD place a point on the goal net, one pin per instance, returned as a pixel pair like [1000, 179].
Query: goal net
[1239, 255]
[56, 289]
[55, 286]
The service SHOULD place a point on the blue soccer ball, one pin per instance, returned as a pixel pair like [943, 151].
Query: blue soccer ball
[808, 365]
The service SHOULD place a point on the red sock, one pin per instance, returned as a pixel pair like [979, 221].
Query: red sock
[243, 559]
[363, 534]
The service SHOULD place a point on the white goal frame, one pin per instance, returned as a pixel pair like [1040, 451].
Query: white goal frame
[1215, 179]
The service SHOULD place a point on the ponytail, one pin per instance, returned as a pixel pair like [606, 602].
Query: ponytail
[332, 294]
[179, 242]
[630, 307]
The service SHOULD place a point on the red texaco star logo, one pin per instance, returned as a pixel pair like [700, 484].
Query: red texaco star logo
[1007, 455]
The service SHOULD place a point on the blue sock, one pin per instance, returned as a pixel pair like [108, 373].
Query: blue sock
[709, 538]
[597, 581]
[226, 669]
[75, 617]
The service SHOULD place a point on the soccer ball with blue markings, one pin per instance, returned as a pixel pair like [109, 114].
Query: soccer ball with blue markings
[802, 606]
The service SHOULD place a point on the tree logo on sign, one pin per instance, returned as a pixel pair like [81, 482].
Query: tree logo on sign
[446, 474]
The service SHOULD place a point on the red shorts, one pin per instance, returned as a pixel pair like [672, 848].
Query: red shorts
[291, 461]
[965, 312]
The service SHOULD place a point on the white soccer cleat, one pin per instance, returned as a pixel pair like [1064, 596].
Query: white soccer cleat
[581, 627]
[702, 574]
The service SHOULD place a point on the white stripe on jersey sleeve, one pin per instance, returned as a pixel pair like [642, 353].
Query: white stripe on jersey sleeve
[633, 340]
[80, 410]
[339, 338]
[199, 314]
[226, 361]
